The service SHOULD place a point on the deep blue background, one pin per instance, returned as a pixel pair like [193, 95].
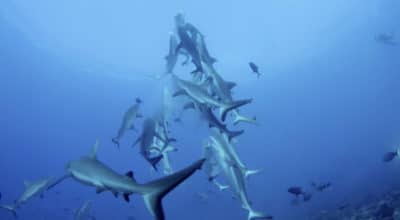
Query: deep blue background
[328, 102]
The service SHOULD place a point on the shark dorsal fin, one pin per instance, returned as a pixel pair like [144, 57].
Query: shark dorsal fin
[27, 183]
[93, 153]
[230, 85]
[130, 175]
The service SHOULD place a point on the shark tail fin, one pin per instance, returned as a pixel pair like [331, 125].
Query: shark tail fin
[220, 186]
[257, 215]
[11, 209]
[248, 173]
[240, 118]
[233, 105]
[159, 188]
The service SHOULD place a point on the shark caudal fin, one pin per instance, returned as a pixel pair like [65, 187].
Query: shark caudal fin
[159, 188]
[233, 105]
[253, 215]
[10, 208]
[248, 173]
[239, 118]
[220, 186]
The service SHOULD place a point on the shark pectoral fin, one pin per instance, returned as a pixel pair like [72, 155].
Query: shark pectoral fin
[234, 134]
[179, 93]
[161, 187]
[155, 160]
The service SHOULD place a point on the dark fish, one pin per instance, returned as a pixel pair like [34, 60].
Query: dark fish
[295, 190]
[0, 196]
[321, 187]
[131, 218]
[254, 68]
[389, 156]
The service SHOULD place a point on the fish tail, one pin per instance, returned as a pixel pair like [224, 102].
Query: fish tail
[248, 173]
[11, 209]
[233, 105]
[240, 118]
[158, 189]
[257, 215]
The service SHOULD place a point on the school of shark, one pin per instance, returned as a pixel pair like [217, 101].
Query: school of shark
[202, 91]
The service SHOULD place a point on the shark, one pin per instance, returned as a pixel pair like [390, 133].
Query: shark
[163, 148]
[211, 167]
[172, 57]
[208, 115]
[32, 189]
[128, 121]
[187, 35]
[83, 212]
[89, 170]
[223, 90]
[200, 94]
[147, 141]
[221, 141]
[234, 175]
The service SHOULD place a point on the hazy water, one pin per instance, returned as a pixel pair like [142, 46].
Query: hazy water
[328, 103]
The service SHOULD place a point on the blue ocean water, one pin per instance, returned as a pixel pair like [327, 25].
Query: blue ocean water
[327, 102]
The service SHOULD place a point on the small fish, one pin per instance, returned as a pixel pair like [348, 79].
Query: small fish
[321, 187]
[295, 190]
[254, 68]
[131, 218]
[389, 156]
[0, 196]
